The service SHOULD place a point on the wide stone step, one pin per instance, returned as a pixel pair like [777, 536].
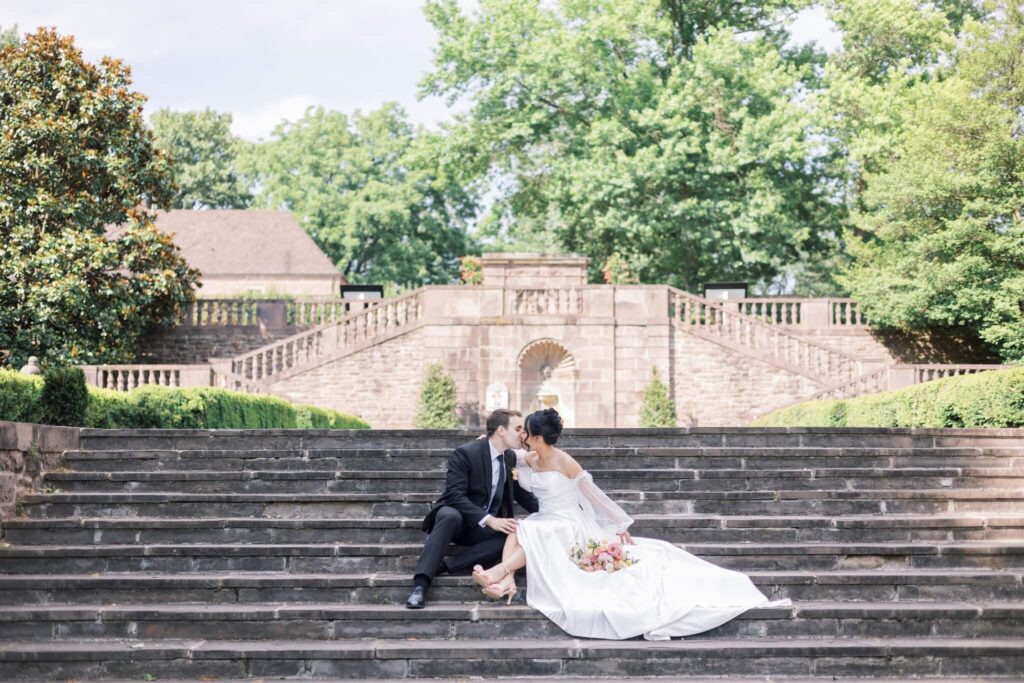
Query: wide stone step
[800, 502]
[484, 620]
[572, 438]
[364, 557]
[432, 481]
[394, 658]
[676, 528]
[879, 585]
[651, 457]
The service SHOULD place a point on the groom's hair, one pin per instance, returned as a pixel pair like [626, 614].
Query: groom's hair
[499, 418]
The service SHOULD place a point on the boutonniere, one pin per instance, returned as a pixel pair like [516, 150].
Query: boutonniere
[515, 474]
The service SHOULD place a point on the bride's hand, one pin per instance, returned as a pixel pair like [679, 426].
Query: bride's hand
[626, 539]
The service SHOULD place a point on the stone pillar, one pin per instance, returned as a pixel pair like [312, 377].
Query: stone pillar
[901, 376]
[815, 313]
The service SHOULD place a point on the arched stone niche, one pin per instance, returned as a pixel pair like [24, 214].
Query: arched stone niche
[547, 379]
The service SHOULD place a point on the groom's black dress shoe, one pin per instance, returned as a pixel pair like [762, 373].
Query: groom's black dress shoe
[417, 599]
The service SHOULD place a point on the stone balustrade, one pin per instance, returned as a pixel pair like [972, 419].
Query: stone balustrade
[806, 313]
[271, 314]
[892, 377]
[301, 349]
[719, 321]
[128, 377]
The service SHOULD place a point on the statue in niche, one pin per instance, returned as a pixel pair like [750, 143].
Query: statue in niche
[547, 392]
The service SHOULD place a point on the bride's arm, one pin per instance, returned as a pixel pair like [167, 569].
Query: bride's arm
[606, 512]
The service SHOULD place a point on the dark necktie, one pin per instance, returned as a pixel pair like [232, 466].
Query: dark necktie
[499, 487]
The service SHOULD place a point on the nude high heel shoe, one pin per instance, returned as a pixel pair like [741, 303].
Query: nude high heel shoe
[496, 592]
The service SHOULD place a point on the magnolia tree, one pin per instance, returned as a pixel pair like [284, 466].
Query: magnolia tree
[76, 157]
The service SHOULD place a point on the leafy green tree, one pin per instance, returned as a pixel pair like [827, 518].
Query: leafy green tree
[658, 409]
[649, 129]
[204, 154]
[9, 36]
[75, 157]
[943, 238]
[437, 409]
[384, 201]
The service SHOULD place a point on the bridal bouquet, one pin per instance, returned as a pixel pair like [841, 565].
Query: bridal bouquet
[601, 556]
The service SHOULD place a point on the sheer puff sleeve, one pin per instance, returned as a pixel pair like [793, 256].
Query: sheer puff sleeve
[603, 510]
[524, 474]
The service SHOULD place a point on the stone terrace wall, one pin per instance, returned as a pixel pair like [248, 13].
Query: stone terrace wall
[26, 451]
[185, 345]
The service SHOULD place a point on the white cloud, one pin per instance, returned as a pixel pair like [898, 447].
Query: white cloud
[258, 123]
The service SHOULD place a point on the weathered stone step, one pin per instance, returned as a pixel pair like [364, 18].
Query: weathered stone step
[486, 620]
[809, 502]
[690, 679]
[94, 439]
[417, 459]
[432, 481]
[363, 557]
[879, 585]
[383, 658]
[676, 528]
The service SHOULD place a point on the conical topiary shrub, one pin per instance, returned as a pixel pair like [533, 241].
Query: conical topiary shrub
[658, 410]
[437, 400]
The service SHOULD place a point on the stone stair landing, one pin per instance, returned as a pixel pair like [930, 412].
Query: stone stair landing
[237, 555]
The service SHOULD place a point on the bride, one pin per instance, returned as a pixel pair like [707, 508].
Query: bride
[663, 592]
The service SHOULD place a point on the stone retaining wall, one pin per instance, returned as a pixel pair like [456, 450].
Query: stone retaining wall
[26, 451]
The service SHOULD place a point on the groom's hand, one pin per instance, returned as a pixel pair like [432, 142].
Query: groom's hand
[505, 525]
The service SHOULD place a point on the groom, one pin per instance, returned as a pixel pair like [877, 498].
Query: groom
[475, 509]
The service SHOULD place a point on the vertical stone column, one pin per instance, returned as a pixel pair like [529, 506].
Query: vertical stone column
[642, 341]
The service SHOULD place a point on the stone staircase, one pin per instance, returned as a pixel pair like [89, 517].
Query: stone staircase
[286, 554]
[754, 337]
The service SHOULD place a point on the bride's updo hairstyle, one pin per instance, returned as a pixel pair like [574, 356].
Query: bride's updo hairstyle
[546, 424]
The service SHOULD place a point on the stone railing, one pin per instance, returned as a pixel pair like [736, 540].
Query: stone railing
[274, 314]
[800, 312]
[544, 301]
[751, 335]
[313, 312]
[355, 329]
[222, 313]
[891, 377]
[128, 377]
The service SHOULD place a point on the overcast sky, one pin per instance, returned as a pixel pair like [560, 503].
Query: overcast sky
[267, 60]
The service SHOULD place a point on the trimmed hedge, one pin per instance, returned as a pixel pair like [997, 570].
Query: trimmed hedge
[65, 397]
[994, 398]
[19, 397]
[168, 407]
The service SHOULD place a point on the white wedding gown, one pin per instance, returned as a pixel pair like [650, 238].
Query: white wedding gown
[668, 592]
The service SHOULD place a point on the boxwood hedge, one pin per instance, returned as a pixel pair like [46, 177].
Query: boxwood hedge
[994, 398]
[169, 407]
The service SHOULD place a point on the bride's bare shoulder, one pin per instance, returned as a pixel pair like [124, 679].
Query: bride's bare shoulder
[570, 467]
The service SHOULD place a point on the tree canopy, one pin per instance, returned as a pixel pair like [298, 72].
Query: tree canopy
[76, 157]
[380, 198]
[204, 157]
[655, 131]
[942, 240]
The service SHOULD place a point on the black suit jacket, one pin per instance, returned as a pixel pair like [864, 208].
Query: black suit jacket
[467, 486]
